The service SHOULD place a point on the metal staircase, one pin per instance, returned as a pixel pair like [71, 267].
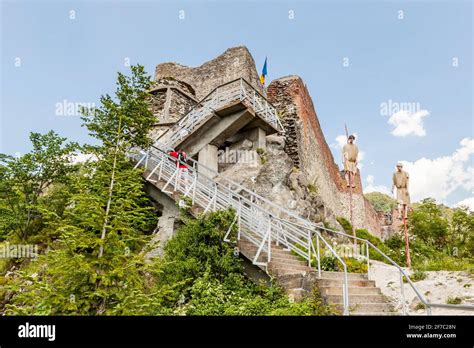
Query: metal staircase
[230, 93]
[267, 233]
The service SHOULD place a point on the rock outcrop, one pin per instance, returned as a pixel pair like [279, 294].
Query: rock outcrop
[297, 170]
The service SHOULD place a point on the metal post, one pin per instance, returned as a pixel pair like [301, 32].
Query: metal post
[350, 208]
[161, 168]
[215, 196]
[309, 248]
[403, 294]
[346, 292]
[368, 258]
[319, 258]
[194, 188]
[240, 219]
[270, 239]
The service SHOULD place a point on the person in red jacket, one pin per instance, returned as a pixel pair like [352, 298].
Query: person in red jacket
[181, 157]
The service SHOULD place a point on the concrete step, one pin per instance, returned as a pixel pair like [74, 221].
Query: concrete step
[288, 260]
[331, 282]
[280, 254]
[366, 307]
[377, 314]
[283, 265]
[353, 290]
[275, 248]
[356, 299]
[291, 281]
[278, 272]
[340, 275]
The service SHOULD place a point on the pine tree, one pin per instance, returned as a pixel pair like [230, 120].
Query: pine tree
[96, 266]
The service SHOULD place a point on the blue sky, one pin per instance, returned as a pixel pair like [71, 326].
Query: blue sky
[424, 58]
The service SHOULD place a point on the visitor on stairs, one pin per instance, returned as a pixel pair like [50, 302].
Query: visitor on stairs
[181, 158]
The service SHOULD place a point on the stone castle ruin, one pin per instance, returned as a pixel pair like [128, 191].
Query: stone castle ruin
[262, 152]
[290, 165]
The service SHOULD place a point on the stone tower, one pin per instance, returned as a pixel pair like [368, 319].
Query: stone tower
[170, 100]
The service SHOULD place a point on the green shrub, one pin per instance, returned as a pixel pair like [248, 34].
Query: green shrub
[312, 188]
[454, 300]
[346, 225]
[418, 275]
[420, 305]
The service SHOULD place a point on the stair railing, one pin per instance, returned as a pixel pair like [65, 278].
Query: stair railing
[225, 94]
[428, 305]
[257, 224]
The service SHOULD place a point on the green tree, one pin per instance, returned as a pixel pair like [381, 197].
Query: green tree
[381, 201]
[96, 265]
[120, 125]
[462, 229]
[427, 223]
[24, 180]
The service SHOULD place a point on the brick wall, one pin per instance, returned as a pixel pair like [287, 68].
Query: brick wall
[309, 150]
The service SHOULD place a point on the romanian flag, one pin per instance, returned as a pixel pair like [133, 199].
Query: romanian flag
[264, 73]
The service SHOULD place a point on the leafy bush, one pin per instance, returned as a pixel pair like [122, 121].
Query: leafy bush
[346, 225]
[454, 300]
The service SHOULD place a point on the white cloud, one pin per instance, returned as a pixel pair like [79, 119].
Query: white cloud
[439, 177]
[407, 123]
[468, 202]
[371, 187]
[341, 140]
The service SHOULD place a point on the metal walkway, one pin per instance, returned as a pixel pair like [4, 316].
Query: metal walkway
[234, 91]
[258, 220]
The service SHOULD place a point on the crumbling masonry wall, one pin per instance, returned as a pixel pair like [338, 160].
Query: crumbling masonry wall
[234, 63]
[304, 141]
[309, 151]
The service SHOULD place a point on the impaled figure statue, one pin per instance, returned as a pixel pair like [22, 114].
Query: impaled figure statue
[350, 151]
[401, 181]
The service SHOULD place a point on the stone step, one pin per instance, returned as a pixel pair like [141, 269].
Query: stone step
[291, 281]
[377, 314]
[278, 272]
[288, 260]
[275, 248]
[275, 253]
[353, 290]
[356, 299]
[340, 275]
[366, 307]
[331, 282]
[283, 265]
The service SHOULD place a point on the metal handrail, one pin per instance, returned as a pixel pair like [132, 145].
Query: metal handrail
[308, 225]
[211, 101]
[217, 177]
[214, 195]
[427, 304]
